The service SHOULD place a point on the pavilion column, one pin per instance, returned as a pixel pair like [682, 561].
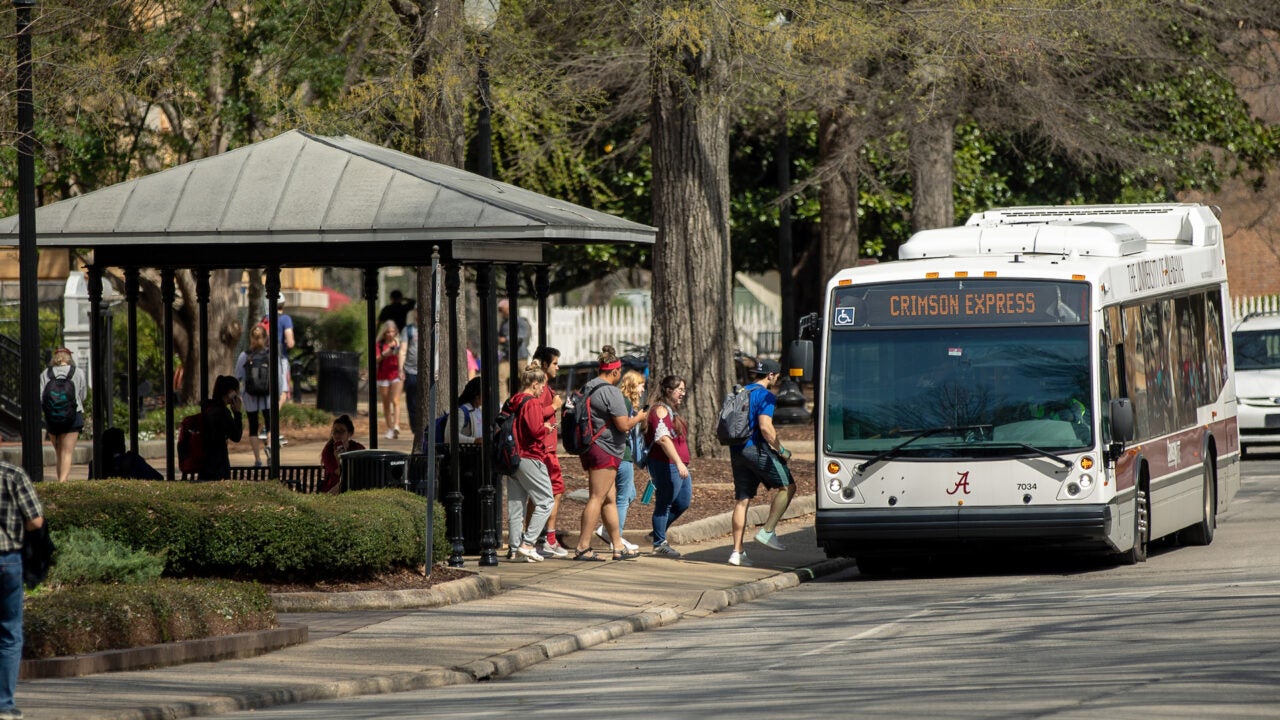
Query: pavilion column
[453, 500]
[513, 329]
[542, 287]
[97, 370]
[371, 319]
[202, 302]
[131, 279]
[168, 293]
[490, 524]
[272, 288]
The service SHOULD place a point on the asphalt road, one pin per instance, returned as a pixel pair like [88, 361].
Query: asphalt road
[1192, 633]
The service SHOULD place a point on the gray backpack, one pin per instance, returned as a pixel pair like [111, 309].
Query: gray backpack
[734, 426]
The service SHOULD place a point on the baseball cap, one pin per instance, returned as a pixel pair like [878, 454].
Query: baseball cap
[767, 367]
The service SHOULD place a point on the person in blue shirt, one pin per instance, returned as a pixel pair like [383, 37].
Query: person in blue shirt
[760, 460]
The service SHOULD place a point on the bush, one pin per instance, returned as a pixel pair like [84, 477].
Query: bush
[85, 557]
[294, 415]
[343, 329]
[92, 618]
[248, 530]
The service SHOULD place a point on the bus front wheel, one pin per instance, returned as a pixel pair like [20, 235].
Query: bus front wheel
[1141, 529]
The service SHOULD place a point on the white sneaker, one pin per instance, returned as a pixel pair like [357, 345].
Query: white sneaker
[529, 554]
[769, 540]
[630, 546]
[600, 534]
[740, 558]
[390, 434]
[547, 549]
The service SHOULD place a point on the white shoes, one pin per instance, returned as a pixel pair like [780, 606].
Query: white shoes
[630, 546]
[769, 540]
[740, 559]
[529, 553]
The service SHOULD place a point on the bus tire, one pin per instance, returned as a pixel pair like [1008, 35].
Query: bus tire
[1202, 533]
[1141, 526]
[873, 566]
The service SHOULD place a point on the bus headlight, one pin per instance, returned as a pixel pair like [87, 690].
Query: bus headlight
[1086, 481]
[1073, 489]
[834, 485]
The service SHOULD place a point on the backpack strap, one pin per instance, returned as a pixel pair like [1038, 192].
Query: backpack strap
[586, 400]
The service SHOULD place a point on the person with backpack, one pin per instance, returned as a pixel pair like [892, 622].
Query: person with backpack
[62, 392]
[20, 514]
[667, 437]
[605, 409]
[632, 388]
[529, 480]
[253, 369]
[222, 422]
[760, 459]
[470, 413]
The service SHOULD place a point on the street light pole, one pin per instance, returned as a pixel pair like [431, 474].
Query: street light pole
[28, 261]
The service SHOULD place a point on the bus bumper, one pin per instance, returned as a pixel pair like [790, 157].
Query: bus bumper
[845, 533]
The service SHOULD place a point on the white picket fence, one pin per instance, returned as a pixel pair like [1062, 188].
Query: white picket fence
[580, 332]
[1241, 306]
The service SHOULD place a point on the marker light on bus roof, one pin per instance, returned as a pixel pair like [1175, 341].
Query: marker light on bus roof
[962, 273]
[931, 275]
[989, 273]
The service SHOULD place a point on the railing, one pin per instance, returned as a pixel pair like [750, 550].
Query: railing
[10, 388]
[579, 332]
[1242, 306]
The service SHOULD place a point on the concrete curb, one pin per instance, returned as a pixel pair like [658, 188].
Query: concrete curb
[492, 667]
[225, 647]
[450, 593]
[722, 524]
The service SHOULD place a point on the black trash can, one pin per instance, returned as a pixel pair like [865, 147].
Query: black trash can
[469, 466]
[337, 380]
[370, 469]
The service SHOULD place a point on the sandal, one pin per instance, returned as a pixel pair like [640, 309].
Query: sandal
[626, 555]
[587, 555]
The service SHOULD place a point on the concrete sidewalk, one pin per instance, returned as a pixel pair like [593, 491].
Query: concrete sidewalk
[539, 611]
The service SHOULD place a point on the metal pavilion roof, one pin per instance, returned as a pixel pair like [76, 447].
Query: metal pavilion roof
[305, 200]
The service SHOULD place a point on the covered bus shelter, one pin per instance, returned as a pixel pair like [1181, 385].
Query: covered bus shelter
[300, 199]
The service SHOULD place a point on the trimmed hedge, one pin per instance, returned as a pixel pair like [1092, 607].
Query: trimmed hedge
[252, 530]
[91, 618]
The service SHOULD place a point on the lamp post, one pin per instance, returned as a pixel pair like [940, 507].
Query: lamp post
[483, 15]
[28, 265]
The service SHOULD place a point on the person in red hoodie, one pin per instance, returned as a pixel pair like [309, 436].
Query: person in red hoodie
[549, 360]
[531, 481]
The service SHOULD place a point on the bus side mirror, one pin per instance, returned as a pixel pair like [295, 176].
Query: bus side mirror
[1121, 427]
[800, 360]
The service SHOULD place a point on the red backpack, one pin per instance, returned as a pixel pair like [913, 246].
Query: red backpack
[191, 443]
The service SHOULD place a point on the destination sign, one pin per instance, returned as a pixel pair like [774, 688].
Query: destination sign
[960, 302]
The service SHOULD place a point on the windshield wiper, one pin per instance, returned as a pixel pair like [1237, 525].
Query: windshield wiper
[1056, 458]
[923, 433]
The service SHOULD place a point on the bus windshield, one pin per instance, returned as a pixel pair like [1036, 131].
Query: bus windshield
[964, 391]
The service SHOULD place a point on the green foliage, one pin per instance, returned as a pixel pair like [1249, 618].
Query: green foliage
[303, 416]
[343, 329]
[92, 618]
[85, 557]
[49, 320]
[252, 530]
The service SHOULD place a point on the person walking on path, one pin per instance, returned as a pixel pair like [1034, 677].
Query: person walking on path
[530, 481]
[284, 335]
[610, 423]
[666, 435]
[549, 360]
[62, 392]
[223, 423]
[388, 377]
[760, 460]
[397, 310]
[20, 513]
[632, 388]
[409, 369]
[510, 341]
[340, 441]
[257, 395]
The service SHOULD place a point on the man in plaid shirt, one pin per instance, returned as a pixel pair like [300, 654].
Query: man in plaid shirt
[19, 512]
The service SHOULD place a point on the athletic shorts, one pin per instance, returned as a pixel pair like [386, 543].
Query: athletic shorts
[758, 465]
[557, 477]
[596, 458]
[76, 426]
[252, 415]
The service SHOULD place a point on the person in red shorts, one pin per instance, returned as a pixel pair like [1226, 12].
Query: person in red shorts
[549, 359]
[611, 421]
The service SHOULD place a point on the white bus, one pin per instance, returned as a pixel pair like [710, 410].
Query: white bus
[1055, 376]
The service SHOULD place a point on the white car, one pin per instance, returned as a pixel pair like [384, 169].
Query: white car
[1256, 340]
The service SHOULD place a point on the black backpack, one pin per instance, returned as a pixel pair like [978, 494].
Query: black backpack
[506, 451]
[734, 426]
[257, 374]
[575, 422]
[58, 403]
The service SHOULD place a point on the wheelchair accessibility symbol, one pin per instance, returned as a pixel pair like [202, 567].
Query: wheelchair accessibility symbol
[844, 316]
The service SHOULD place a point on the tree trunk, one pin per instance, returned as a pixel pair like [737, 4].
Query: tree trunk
[932, 142]
[838, 196]
[443, 78]
[693, 330]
